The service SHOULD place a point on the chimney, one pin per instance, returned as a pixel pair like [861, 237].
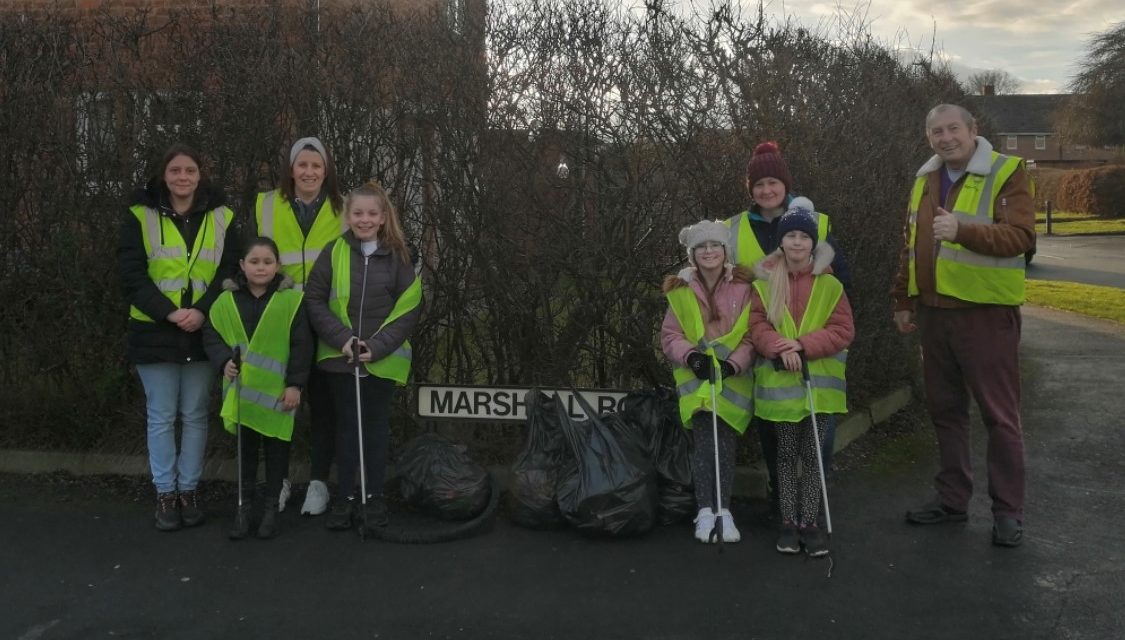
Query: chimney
[989, 89]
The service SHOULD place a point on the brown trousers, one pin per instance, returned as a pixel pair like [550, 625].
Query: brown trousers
[975, 350]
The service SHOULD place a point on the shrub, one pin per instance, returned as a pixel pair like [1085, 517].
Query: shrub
[1099, 191]
[532, 276]
[1047, 186]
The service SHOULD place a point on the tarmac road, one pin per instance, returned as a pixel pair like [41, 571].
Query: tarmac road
[88, 568]
[1096, 260]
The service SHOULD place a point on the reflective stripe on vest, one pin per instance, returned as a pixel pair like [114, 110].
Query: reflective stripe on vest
[396, 365]
[734, 394]
[780, 396]
[168, 264]
[744, 244]
[264, 363]
[276, 219]
[959, 272]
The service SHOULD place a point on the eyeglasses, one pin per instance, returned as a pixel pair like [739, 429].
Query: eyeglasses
[710, 246]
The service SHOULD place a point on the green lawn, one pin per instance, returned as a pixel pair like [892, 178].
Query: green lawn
[1087, 299]
[1064, 223]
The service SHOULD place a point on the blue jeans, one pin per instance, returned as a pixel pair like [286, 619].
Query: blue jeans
[172, 389]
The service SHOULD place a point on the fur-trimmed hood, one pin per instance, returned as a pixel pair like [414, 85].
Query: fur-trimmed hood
[238, 282]
[823, 255]
[686, 275]
[980, 164]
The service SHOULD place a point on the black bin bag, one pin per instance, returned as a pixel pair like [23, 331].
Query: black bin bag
[653, 418]
[440, 478]
[535, 472]
[610, 487]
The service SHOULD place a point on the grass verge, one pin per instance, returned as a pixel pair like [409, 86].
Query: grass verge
[1087, 299]
[1064, 223]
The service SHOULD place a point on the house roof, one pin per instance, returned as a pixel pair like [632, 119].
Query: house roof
[1023, 113]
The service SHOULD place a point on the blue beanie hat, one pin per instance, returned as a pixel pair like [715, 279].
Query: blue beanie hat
[800, 217]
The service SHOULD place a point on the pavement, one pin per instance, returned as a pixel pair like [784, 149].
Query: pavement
[85, 568]
[1098, 260]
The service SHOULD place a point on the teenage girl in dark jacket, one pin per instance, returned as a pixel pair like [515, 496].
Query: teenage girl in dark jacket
[370, 265]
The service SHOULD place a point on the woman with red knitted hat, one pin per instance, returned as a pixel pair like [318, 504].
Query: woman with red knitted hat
[754, 235]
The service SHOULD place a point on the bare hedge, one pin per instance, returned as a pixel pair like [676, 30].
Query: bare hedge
[535, 274]
[1099, 191]
[1047, 181]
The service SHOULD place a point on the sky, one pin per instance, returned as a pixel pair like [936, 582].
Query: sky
[1039, 42]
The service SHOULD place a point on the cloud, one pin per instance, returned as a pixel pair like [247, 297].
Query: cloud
[1039, 46]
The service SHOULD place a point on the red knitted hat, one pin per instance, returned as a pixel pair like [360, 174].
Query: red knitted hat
[768, 163]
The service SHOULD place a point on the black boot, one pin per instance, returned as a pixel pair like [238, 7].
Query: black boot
[268, 527]
[372, 516]
[190, 509]
[240, 528]
[340, 518]
[167, 512]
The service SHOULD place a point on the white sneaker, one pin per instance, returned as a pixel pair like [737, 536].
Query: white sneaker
[284, 496]
[730, 532]
[704, 523]
[316, 499]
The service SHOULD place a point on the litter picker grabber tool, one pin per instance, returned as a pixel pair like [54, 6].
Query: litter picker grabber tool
[242, 516]
[816, 439]
[362, 526]
[717, 531]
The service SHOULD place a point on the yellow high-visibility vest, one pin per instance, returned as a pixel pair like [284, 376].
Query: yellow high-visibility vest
[265, 360]
[780, 396]
[396, 365]
[959, 272]
[170, 265]
[275, 219]
[745, 248]
[734, 395]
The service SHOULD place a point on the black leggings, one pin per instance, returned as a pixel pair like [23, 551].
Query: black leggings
[375, 396]
[322, 424]
[768, 438]
[277, 461]
[800, 495]
[703, 460]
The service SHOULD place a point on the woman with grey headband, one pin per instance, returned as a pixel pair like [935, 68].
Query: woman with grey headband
[303, 216]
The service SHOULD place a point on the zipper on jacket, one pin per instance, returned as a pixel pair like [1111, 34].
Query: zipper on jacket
[362, 298]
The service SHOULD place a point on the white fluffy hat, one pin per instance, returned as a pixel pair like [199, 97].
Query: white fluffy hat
[705, 231]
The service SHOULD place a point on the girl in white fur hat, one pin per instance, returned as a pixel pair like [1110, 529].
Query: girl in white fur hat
[705, 336]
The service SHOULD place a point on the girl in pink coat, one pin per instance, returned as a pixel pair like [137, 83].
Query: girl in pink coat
[798, 268]
[722, 293]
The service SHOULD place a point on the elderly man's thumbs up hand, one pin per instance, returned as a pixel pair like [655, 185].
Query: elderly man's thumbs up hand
[945, 226]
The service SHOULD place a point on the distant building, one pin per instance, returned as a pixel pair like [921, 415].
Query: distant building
[1024, 125]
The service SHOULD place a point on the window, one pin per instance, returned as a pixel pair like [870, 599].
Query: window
[1040, 143]
[95, 124]
[1011, 143]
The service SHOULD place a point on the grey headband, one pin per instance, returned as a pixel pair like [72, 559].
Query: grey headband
[299, 145]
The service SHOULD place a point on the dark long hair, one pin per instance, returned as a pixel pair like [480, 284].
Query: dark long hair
[155, 182]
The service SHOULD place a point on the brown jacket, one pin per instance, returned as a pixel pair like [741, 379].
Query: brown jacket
[1012, 233]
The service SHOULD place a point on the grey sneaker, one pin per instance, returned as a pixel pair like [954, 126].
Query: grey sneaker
[316, 499]
[815, 541]
[1007, 532]
[283, 497]
[788, 540]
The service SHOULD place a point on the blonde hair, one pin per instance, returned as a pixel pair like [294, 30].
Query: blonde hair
[779, 289]
[390, 234]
